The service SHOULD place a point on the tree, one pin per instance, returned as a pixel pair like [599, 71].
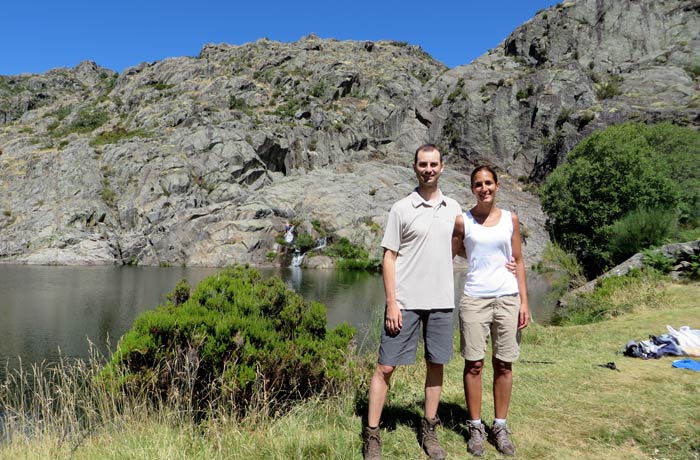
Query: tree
[614, 172]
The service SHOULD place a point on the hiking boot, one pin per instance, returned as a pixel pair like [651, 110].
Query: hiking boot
[428, 439]
[371, 444]
[477, 435]
[501, 437]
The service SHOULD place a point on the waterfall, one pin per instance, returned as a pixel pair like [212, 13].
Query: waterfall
[297, 258]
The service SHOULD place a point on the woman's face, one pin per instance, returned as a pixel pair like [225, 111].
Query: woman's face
[484, 186]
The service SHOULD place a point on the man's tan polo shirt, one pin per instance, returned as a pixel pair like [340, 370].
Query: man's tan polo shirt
[421, 234]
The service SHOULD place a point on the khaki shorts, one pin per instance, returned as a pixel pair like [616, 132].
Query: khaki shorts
[496, 317]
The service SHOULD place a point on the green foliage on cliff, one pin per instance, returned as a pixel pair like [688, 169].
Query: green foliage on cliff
[350, 256]
[88, 120]
[116, 135]
[235, 335]
[624, 169]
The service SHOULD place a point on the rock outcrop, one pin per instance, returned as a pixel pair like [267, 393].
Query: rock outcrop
[202, 161]
[681, 257]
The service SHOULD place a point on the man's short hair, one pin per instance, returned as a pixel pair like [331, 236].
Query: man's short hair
[426, 148]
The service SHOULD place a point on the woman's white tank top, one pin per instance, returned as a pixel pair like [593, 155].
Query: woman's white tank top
[488, 250]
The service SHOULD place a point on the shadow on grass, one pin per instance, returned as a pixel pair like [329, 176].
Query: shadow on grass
[453, 416]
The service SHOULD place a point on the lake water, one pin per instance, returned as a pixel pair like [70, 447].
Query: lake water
[50, 310]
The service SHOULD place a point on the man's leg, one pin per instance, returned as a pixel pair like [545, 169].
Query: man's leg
[433, 388]
[437, 337]
[378, 388]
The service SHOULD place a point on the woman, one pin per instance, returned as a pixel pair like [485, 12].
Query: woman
[494, 305]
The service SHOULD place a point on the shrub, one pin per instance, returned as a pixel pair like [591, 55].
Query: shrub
[639, 229]
[112, 137]
[657, 261]
[107, 194]
[288, 109]
[351, 256]
[521, 94]
[236, 103]
[454, 94]
[610, 88]
[304, 242]
[160, 86]
[613, 172]
[88, 120]
[236, 336]
[180, 294]
[319, 89]
[524, 93]
[61, 112]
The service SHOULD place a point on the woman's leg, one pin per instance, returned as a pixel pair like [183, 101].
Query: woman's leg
[472, 387]
[502, 386]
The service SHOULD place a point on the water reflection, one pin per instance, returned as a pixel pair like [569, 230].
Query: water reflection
[47, 309]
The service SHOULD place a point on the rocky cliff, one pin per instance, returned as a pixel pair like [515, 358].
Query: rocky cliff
[202, 160]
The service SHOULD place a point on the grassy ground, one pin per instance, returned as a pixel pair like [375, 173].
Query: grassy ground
[564, 407]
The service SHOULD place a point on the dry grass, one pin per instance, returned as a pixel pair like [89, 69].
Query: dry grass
[564, 407]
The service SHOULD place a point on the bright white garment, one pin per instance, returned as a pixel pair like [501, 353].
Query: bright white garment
[688, 339]
[488, 250]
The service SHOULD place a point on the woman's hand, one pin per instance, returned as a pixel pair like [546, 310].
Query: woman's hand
[511, 265]
[523, 316]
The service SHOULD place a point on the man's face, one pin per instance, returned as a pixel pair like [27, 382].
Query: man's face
[428, 167]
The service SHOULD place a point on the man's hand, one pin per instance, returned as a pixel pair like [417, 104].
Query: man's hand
[393, 320]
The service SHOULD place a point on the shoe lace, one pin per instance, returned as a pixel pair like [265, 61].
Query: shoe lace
[501, 435]
[429, 434]
[475, 432]
[372, 443]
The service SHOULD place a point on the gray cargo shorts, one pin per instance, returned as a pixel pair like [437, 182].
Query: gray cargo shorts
[438, 327]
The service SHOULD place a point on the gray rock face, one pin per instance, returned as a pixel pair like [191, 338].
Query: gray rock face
[572, 69]
[202, 161]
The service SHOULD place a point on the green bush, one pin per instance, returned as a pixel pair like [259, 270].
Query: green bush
[235, 336]
[609, 88]
[112, 137]
[319, 89]
[613, 172]
[88, 120]
[657, 261]
[640, 229]
[351, 256]
[236, 103]
[107, 194]
[304, 242]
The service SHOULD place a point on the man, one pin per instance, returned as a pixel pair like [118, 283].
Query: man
[418, 280]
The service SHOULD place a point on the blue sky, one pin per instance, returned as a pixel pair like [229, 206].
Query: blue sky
[38, 35]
